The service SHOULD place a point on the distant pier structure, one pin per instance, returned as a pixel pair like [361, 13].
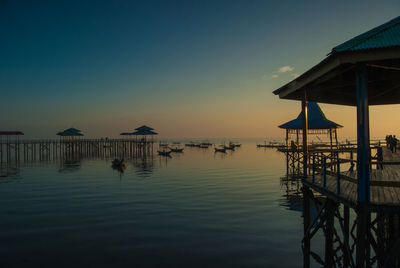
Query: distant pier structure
[71, 145]
[318, 124]
[9, 145]
[360, 215]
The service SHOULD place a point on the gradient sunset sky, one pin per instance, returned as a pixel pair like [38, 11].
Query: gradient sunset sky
[191, 69]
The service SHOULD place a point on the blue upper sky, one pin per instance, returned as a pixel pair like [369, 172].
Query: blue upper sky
[187, 68]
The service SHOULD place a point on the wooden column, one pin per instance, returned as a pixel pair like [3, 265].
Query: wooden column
[305, 132]
[363, 150]
[363, 166]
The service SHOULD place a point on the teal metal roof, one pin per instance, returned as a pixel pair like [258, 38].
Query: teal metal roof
[315, 118]
[144, 127]
[70, 132]
[383, 36]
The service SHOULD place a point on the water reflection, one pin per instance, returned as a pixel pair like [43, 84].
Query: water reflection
[70, 165]
[293, 197]
[144, 165]
[8, 170]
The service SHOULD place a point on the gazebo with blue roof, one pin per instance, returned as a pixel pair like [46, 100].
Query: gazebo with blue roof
[361, 72]
[317, 124]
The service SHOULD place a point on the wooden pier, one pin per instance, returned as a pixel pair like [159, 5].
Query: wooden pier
[360, 217]
[52, 149]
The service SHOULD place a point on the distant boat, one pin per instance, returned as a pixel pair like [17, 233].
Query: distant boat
[176, 150]
[230, 147]
[234, 144]
[191, 144]
[272, 144]
[220, 150]
[116, 163]
[206, 143]
[203, 145]
[164, 153]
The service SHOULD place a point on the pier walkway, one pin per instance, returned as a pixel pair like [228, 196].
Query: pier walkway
[384, 189]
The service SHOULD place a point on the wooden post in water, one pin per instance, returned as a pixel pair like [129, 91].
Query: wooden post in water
[306, 226]
[330, 214]
[346, 232]
[306, 198]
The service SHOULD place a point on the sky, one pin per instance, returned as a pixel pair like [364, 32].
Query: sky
[189, 69]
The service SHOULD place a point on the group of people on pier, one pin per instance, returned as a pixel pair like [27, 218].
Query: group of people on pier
[391, 142]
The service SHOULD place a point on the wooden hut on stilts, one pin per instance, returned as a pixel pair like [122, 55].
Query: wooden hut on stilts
[69, 141]
[317, 124]
[361, 72]
[144, 145]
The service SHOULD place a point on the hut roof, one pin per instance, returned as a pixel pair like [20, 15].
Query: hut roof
[316, 119]
[70, 132]
[383, 36]
[144, 127]
[144, 132]
[9, 133]
[333, 79]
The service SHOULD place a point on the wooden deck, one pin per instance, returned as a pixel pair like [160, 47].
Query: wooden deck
[384, 189]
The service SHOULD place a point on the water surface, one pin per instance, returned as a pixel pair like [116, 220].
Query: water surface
[196, 209]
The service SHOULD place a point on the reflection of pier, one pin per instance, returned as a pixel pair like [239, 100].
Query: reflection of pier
[144, 165]
[360, 218]
[293, 194]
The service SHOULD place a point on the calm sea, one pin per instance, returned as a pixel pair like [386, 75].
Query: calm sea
[196, 209]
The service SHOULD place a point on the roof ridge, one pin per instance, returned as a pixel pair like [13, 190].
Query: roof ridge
[355, 41]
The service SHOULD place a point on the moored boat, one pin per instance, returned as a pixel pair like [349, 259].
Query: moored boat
[164, 153]
[229, 147]
[118, 163]
[176, 150]
[220, 150]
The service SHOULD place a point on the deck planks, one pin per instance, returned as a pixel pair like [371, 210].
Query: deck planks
[386, 195]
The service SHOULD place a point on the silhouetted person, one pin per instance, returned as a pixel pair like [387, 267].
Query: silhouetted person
[379, 155]
[390, 143]
[293, 145]
[394, 143]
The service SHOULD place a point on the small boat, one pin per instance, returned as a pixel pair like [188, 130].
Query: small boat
[163, 144]
[164, 153]
[206, 143]
[190, 144]
[230, 147]
[203, 145]
[234, 144]
[220, 150]
[176, 150]
[118, 163]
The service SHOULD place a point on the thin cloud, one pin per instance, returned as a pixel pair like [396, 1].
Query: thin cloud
[281, 70]
[268, 77]
[285, 69]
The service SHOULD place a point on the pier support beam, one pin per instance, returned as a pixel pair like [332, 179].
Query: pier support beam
[305, 132]
[363, 166]
[363, 150]
[306, 226]
[329, 227]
